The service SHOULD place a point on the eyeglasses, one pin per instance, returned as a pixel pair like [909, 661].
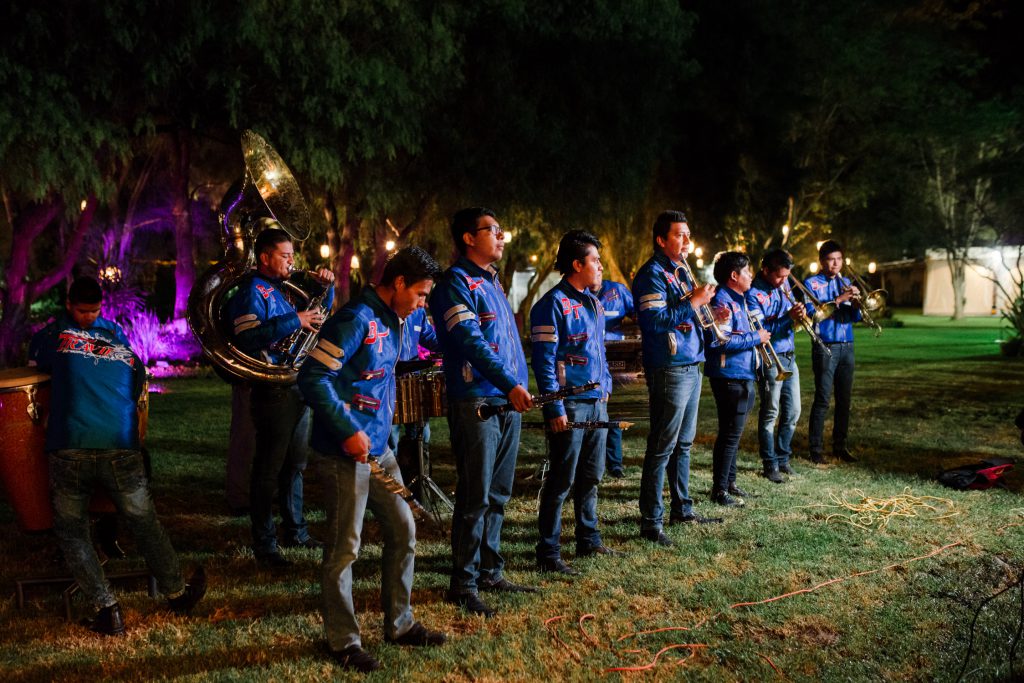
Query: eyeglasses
[496, 229]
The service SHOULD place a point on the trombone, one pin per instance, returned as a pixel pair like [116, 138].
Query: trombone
[805, 322]
[767, 351]
[823, 310]
[871, 301]
[705, 316]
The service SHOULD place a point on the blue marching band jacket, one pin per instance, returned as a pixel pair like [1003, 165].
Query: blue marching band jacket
[736, 358]
[262, 315]
[618, 304]
[670, 334]
[349, 377]
[95, 385]
[772, 308]
[567, 330]
[477, 333]
[418, 332]
[838, 328]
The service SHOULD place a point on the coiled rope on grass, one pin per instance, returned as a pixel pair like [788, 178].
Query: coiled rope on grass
[875, 514]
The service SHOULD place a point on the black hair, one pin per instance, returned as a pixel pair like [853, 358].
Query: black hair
[270, 237]
[413, 264]
[776, 259]
[572, 248]
[827, 247]
[727, 263]
[465, 221]
[85, 290]
[663, 222]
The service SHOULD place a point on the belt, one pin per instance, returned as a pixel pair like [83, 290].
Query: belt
[836, 343]
[785, 354]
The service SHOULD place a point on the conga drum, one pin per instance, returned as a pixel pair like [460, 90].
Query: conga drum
[24, 468]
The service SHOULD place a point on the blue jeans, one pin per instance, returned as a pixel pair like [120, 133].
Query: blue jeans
[74, 473]
[733, 399]
[485, 463]
[576, 457]
[613, 450]
[780, 402]
[673, 396]
[282, 426]
[350, 490]
[831, 373]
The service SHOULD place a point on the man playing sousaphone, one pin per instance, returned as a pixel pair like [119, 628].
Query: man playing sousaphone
[835, 370]
[262, 317]
[349, 382]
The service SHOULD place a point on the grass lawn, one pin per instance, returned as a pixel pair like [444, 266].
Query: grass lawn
[927, 396]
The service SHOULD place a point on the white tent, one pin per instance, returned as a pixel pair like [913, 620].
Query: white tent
[986, 267]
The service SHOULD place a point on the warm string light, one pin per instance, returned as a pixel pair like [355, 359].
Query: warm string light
[325, 251]
[355, 262]
[390, 245]
[872, 267]
[814, 267]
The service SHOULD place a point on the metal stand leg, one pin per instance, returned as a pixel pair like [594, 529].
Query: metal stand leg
[433, 497]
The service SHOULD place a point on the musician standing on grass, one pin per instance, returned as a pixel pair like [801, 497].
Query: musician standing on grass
[348, 380]
[673, 348]
[780, 399]
[731, 368]
[262, 317]
[92, 439]
[617, 301]
[483, 364]
[567, 331]
[835, 372]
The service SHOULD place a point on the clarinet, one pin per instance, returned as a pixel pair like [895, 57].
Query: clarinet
[588, 425]
[487, 411]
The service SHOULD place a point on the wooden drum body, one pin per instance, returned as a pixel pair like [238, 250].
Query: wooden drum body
[419, 397]
[24, 408]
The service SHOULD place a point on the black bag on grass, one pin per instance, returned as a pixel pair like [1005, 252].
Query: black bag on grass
[976, 476]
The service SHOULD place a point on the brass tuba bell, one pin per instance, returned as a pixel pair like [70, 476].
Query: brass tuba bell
[268, 188]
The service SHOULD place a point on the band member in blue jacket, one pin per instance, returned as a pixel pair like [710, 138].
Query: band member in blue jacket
[731, 368]
[835, 372]
[780, 399]
[673, 348]
[567, 331]
[262, 318]
[483, 363]
[349, 382]
[92, 440]
[618, 304]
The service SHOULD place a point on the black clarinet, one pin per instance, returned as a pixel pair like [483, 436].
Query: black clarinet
[588, 425]
[487, 411]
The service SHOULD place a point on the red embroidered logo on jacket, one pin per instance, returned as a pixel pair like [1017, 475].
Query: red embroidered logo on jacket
[265, 291]
[762, 298]
[376, 335]
[817, 285]
[573, 307]
[684, 327]
[474, 282]
[362, 401]
[487, 316]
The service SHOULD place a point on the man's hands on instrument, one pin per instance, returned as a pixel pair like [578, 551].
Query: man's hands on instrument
[701, 296]
[764, 334]
[798, 312]
[357, 447]
[851, 293]
[520, 398]
[325, 276]
[311, 320]
[558, 424]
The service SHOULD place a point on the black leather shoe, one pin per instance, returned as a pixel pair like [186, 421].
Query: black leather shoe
[471, 603]
[787, 469]
[418, 635]
[694, 518]
[735, 490]
[657, 536]
[616, 474]
[503, 585]
[272, 561]
[817, 459]
[109, 621]
[599, 550]
[845, 455]
[355, 657]
[723, 498]
[195, 589]
[773, 475]
[310, 544]
[555, 565]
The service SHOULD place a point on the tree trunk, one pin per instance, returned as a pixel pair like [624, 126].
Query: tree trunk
[958, 271]
[184, 265]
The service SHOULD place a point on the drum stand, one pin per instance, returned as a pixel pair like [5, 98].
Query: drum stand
[433, 497]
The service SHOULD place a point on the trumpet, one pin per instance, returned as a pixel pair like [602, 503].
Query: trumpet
[805, 323]
[767, 351]
[705, 316]
[822, 310]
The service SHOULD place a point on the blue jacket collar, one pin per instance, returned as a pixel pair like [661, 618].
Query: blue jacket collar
[490, 272]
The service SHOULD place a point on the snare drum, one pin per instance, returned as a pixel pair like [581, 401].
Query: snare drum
[420, 396]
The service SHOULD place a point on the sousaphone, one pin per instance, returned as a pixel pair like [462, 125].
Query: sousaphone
[268, 189]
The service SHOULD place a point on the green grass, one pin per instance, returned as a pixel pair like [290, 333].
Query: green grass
[927, 396]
